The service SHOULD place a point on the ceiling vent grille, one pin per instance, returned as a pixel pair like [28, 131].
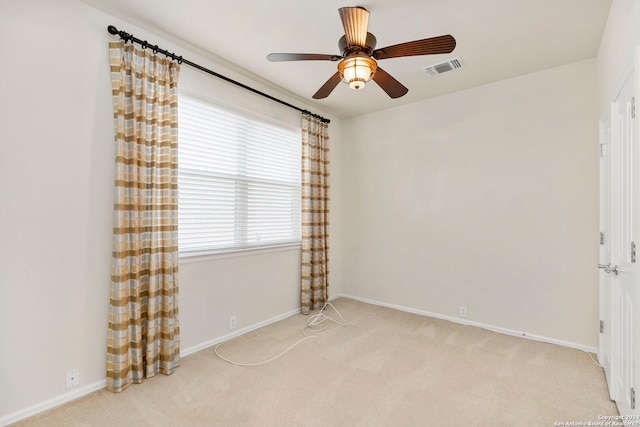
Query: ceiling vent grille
[444, 66]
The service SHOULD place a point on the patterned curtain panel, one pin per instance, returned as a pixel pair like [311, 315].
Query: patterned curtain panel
[315, 213]
[144, 336]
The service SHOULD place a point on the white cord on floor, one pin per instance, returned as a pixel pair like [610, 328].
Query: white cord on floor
[314, 324]
[315, 321]
[488, 328]
[258, 363]
[593, 360]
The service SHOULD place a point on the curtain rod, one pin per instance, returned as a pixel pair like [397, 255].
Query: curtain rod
[129, 37]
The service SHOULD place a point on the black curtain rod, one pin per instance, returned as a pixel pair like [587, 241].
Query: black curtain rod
[129, 37]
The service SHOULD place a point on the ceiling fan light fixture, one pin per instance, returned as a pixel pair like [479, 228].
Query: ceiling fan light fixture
[358, 55]
[357, 70]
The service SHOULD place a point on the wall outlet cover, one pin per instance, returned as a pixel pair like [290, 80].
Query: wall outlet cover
[233, 322]
[73, 377]
[463, 311]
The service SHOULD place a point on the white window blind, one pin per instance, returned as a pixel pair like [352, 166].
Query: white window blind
[238, 180]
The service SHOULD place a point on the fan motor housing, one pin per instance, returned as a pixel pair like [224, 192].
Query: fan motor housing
[348, 50]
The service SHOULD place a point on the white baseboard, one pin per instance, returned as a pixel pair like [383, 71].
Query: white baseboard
[237, 333]
[52, 403]
[82, 391]
[498, 329]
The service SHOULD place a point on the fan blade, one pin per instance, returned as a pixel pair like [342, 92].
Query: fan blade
[394, 88]
[430, 46]
[277, 57]
[328, 87]
[355, 21]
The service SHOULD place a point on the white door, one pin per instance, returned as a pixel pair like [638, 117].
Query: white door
[623, 274]
[604, 353]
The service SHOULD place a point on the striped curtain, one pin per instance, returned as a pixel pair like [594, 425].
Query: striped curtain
[315, 213]
[144, 333]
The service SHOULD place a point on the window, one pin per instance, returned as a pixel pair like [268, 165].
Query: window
[238, 180]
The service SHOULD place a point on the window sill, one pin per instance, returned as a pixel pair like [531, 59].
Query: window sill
[204, 256]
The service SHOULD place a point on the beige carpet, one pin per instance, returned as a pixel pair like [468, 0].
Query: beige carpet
[387, 368]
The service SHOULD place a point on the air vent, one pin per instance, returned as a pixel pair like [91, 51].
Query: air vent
[444, 66]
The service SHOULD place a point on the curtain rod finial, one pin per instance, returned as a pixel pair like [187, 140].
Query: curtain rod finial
[112, 30]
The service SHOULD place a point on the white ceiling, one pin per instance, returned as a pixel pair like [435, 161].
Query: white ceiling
[497, 39]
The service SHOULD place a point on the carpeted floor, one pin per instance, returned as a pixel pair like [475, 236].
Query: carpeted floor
[386, 368]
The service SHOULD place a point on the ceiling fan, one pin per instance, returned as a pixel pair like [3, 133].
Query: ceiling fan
[358, 60]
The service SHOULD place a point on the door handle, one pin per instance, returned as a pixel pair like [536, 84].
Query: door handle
[608, 269]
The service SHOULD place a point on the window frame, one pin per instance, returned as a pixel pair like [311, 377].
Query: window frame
[239, 249]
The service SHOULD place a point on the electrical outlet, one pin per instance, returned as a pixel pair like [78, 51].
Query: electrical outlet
[463, 311]
[233, 322]
[73, 377]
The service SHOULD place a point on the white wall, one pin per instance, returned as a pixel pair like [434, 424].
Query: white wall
[56, 198]
[621, 35]
[486, 198]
